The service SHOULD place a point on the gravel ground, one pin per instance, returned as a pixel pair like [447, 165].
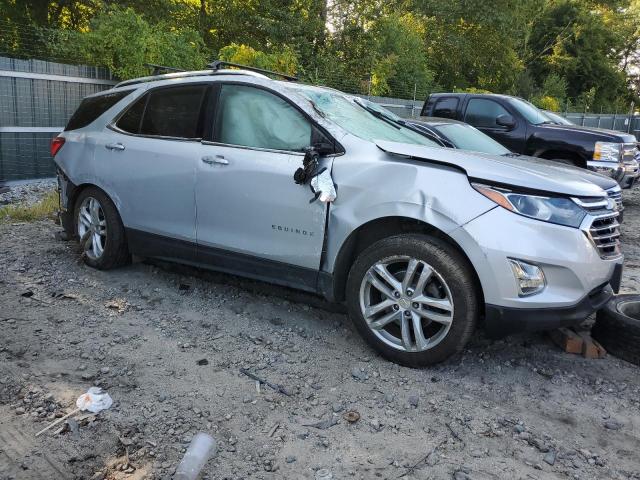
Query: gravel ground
[27, 193]
[168, 344]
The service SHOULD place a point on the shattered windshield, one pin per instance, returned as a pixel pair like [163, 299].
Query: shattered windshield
[355, 119]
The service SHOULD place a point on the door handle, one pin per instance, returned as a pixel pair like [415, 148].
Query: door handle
[114, 146]
[218, 159]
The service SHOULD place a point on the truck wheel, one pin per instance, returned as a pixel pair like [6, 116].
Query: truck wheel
[617, 327]
[413, 299]
[100, 230]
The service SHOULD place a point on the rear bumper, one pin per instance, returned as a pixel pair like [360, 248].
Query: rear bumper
[502, 321]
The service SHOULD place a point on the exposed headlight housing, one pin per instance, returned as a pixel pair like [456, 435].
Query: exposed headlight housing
[529, 278]
[558, 210]
[608, 152]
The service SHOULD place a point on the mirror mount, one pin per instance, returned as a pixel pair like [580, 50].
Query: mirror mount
[505, 120]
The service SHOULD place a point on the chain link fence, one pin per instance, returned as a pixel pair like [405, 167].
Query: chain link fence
[38, 97]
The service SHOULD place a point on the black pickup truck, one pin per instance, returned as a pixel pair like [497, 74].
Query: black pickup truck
[523, 128]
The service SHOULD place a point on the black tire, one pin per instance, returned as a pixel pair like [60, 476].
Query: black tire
[617, 327]
[454, 270]
[116, 252]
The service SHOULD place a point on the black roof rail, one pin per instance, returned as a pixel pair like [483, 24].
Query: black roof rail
[162, 68]
[217, 64]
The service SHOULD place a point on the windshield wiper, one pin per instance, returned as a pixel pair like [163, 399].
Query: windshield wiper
[511, 154]
[381, 116]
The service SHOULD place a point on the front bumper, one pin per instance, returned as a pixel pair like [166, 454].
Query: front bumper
[610, 169]
[630, 179]
[576, 275]
[501, 321]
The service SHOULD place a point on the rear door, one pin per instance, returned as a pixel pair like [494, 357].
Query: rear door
[482, 113]
[149, 155]
[252, 217]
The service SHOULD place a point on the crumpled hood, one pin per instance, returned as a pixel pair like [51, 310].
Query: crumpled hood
[518, 172]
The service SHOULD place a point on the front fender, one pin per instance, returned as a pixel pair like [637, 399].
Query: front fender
[438, 195]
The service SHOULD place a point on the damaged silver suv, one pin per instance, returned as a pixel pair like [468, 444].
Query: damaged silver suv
[302, 186]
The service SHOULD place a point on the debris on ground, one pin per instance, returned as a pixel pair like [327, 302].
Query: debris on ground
[516, 408]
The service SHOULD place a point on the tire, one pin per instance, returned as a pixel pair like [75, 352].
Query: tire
[450, 285]
[617, 327]
[113, 251]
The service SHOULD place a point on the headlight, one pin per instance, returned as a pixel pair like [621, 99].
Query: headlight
[562, 211]
[608, 152]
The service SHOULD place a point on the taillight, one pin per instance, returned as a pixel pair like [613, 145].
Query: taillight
[56, 145]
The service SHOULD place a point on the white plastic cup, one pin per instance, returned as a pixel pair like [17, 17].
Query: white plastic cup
[324, 474]
[201, 448]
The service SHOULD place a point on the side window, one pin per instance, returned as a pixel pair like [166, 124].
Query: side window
[132, 118]
[91, 108]
[446, 107]
[252, 117]
[173, 112]
[482, 112]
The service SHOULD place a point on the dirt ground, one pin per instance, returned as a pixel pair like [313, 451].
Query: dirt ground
[168, 344]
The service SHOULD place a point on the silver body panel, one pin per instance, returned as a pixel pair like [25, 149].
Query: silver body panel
[250, 205]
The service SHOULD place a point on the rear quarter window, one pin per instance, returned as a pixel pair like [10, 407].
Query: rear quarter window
[92, 107]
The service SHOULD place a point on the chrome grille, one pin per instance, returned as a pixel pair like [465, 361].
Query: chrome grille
[604, 233]
[629, 151]
[616, 195]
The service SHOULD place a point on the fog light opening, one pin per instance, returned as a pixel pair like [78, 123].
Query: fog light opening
[529, 278]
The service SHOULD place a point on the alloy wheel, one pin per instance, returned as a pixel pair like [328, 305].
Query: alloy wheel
[406, 303]
[92, 228]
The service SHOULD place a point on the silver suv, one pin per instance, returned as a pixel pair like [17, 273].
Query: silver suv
[302, 186]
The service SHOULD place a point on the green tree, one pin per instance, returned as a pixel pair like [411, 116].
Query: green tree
[109, 42]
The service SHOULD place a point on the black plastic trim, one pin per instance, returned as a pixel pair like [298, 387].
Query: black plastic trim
[502, 321]
[147, 244]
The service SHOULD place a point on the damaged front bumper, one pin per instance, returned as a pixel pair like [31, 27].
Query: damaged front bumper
[577, 280]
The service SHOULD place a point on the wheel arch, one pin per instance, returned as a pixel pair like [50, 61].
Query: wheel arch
[377, 229]
[574, 157]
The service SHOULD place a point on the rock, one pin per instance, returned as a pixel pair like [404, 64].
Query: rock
[337, 407]
[290, 459]
[104, 370]
[203, 361]
[612, 425]
[550, 458]
[477, 453]
[358, 374]
[20, 411]
[413, 400]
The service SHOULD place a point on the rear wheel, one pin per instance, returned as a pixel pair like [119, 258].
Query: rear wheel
[412, 298]
[100, 230]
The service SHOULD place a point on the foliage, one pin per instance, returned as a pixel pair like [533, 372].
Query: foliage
[284, 61]
[109, 43]
[548, 103]
[584, 52]
[42, 210]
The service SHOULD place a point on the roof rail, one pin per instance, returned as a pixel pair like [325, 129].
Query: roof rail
[185, 74]
[162, 68]
[217, 64]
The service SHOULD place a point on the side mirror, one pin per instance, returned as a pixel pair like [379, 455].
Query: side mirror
[323, 148]
[505, 120]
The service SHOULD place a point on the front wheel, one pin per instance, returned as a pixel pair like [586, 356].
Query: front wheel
[413, 299]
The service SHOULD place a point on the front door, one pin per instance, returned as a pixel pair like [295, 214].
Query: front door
[483, 113]
[251, 216]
